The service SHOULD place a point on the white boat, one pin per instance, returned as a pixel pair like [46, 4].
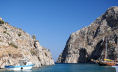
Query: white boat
[23, 65]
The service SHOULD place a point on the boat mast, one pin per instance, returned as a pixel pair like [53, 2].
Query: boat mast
[116, 50]
[106, 50]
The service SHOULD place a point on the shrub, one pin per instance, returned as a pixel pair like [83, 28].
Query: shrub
[4, 31]
[19, 34]
[13, 45]
[1, 41]
[34, 37]
[33, 52]
[2, 22]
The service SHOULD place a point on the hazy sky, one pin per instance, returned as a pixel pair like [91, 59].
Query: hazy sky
[52, 21]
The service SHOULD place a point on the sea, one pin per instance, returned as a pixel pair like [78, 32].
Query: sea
[70, 68]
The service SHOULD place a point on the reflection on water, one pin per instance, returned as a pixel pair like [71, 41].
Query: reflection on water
[116, 68]
[3, 70]
[70, 68]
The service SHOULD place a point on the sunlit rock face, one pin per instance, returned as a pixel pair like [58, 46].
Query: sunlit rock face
[15, 44]
[89, 42]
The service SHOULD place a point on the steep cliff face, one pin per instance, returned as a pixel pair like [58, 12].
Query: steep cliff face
[89, 42]
[15, 44]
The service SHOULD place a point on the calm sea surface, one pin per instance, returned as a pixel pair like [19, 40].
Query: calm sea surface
[70, 68]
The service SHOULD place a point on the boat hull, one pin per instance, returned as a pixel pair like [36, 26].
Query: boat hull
[14, 68]
[25, 67]
[102, 64]
[107, 63]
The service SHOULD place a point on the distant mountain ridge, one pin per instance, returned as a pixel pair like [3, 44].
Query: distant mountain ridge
[87, 43]
[15, 44]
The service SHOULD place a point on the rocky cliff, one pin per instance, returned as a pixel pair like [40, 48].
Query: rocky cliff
[15, 44]
[89, 42]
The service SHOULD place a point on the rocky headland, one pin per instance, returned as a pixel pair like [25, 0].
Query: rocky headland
[89, 42]
[15, 44]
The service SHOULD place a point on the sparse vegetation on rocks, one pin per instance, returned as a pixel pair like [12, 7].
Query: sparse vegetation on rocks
[33, 52]
[2, 22]
[19, 34]
[13, 45]
[5, 32]
[34, 37]
[89, 42]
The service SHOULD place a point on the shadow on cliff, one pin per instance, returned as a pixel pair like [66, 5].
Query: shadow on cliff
[82, 55]
[96, 54]
[97, 51]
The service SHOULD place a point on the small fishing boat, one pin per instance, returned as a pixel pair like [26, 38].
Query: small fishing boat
[23, 65]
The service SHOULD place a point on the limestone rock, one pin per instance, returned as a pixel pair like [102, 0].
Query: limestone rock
[15, 44]
[89, 42]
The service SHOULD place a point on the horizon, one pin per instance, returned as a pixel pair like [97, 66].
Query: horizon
[53, 21]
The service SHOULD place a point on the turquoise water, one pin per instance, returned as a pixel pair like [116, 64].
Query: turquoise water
[70, 68]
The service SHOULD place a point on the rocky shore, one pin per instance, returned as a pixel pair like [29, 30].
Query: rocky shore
[89, 42]
[15, 44]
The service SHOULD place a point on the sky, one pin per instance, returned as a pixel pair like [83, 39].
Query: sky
[52, 21]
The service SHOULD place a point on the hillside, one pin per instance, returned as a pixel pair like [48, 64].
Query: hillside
[89, 42]
[15, 44]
